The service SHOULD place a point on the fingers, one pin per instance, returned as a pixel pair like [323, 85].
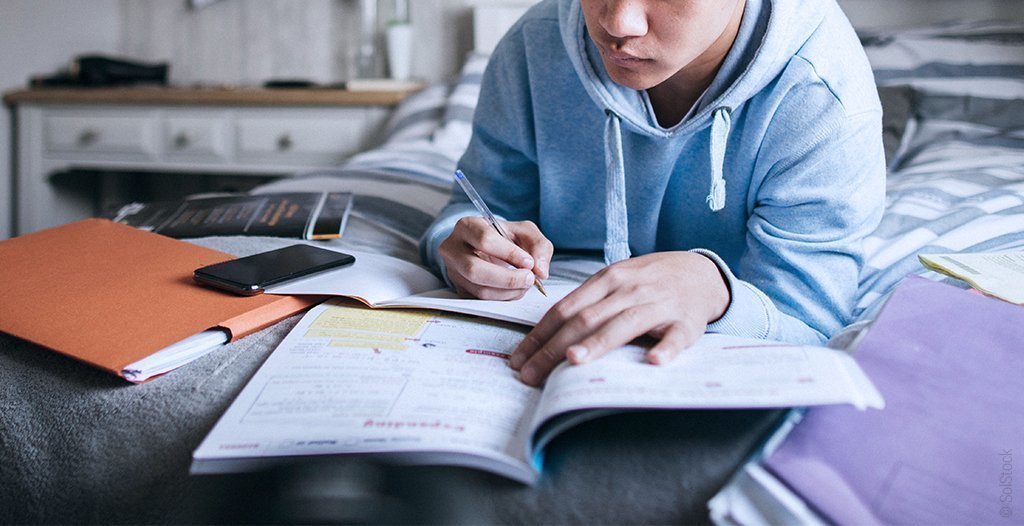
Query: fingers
[591, 334]
[481, 237]
[468, 289]
[536, 358]
[606, 312]
[590, 293]
[477, 259]
[674, 340]
[527, 236]
[585, 325]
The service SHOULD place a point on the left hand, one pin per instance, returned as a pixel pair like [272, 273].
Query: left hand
[671, 296]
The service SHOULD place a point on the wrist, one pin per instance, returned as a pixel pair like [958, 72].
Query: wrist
[719, 296]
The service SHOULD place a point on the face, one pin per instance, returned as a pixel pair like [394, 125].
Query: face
[643, 43]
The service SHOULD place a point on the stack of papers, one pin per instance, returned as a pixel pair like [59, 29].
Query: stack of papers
[999, 274]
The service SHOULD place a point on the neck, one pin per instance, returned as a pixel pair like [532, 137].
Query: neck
[673, 98]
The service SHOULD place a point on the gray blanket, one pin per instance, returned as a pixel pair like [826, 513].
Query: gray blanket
[82, 446]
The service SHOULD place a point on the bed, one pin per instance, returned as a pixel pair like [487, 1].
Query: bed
[81, 446]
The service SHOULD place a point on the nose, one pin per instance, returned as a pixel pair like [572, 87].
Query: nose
[624, 18]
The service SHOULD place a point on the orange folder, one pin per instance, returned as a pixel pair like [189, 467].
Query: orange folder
[110, 295]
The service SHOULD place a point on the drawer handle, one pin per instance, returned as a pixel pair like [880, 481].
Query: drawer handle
[87, 138]
[284, 143]
[181, 141]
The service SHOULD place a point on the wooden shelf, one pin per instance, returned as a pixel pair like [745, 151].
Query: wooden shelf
[201, 96]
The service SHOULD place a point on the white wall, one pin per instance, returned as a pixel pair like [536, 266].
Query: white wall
[239, 42]
[38, 37]
[248, 42]
[443, 30]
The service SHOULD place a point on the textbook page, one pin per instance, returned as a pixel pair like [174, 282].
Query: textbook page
[433, 387]
[999, 274]
[417, 386]
[717, 372]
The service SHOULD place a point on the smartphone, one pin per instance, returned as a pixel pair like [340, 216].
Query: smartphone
[250, 275]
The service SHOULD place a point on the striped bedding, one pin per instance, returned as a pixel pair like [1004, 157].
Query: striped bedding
[427, 135]
[954, 98]
[984, 59]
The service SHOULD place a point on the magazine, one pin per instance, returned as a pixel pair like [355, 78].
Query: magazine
[304, 215]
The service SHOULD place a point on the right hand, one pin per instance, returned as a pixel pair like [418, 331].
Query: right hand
[478, 259]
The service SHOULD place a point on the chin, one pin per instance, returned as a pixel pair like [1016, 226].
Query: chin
[629, 79]
[634, 78]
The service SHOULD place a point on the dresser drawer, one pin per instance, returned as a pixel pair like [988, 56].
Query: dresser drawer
[196, 138]
[166, 131]
[88, 135]
[301, 140]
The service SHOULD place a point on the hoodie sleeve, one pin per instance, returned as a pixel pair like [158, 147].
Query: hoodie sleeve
[821, 195]
[501, 157]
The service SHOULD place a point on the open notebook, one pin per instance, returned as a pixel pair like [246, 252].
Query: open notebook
[386, 282]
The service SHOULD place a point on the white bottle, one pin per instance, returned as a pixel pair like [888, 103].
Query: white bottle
[399, 44]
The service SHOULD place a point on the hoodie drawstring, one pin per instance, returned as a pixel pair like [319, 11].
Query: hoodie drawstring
[616, 236]
[720, 127]
[616, 240]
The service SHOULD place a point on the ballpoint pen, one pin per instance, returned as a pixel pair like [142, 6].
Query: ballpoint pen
[481, 206]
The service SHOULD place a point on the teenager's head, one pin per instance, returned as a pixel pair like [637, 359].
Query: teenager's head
[646, 42]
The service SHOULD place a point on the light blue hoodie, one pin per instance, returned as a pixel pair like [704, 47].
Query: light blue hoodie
[777, 174]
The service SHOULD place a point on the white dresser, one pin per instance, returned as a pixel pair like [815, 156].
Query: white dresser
[178, 130]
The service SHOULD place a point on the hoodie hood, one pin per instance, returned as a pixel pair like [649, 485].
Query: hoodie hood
[771, 32]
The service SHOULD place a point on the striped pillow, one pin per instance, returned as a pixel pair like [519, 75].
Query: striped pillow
[462, 100]
[427, 134]
[983, 59]
[418, 115]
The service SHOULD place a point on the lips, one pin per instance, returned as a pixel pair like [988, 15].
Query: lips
[620, 58]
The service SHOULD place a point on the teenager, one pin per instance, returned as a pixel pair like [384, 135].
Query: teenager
[725, 155]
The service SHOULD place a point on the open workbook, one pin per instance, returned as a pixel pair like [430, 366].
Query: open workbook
[429, 387]
[383, 281]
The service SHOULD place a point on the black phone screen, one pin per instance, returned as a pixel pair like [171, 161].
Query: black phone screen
[251, 274]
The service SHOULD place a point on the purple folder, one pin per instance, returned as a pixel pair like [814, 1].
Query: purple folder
[949, 446]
